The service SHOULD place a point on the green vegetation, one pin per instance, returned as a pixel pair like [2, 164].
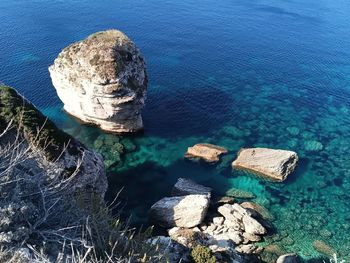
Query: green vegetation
[31, 123]
[202, 254]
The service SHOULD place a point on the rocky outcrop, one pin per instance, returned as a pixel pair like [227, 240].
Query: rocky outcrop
[270, 163]
[183, 211]
[53, 149]
[102, 80]
[205, 151]
[186, 186]
[48, 180]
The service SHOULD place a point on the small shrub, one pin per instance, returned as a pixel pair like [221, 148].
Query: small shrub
[202, 254]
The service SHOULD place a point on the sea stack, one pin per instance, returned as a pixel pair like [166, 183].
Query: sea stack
[102, 80]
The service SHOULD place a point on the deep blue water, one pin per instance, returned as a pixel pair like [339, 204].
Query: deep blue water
[232, 72]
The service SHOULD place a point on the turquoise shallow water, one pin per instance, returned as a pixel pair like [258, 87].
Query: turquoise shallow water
[234, 73]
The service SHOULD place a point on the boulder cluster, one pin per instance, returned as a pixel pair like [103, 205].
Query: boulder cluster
[230, 229]
[193, 218]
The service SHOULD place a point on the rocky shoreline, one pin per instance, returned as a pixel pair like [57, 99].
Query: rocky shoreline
[106, 74]
[192, 218]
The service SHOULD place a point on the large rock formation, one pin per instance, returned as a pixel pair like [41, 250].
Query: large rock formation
[273, 164]
[102, 80]
[205, 151]
[181, 211]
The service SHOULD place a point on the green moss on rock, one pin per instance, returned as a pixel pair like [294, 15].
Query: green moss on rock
[202, 254]
[36, 128]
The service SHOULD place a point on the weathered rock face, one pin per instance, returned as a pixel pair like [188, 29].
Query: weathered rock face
[52, 182]
[176, 251]
[273, 164]
[186, 186]
[205, 151]
[181, 211]
[102, 80]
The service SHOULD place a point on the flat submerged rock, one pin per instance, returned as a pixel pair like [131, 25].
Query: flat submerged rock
[270, 163]
[208, 152]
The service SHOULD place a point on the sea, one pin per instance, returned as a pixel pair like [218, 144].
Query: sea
[235, 73]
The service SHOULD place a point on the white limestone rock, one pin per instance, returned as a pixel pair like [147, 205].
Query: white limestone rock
[182, 211]
[102, 81]
[288, 258]
[271, 163]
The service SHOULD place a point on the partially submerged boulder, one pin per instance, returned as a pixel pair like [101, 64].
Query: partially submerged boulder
[270, 163]
[288, 258]
[186, 186]
[182, 211]
[102, 80]
[257, 210]
[205, 151]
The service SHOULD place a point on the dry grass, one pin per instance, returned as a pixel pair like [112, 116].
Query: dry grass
[42, 220]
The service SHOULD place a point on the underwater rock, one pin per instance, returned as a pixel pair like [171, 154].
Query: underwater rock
[313, 146]
[260, 210]
[225, 200]
[325, 233]
[293, 130]
[102, 80]
[182, 211]
[186, 186]
[238, 193]
[288, 258]
[323, 248]
[205, 151]
[271, 163]
[274, 249]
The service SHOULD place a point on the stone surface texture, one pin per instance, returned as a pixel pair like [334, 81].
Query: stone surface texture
[205, 151]
[182, 211]
[270, 163]
[102, 80]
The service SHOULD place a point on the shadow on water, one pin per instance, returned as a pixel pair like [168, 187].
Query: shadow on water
[187, 111]
[146, 182]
